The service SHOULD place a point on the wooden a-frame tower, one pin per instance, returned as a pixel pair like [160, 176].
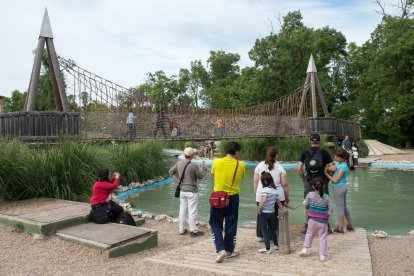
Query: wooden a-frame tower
[46, 37]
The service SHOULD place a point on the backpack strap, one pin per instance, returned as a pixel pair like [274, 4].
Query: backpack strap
[182, 175]
[234, 176]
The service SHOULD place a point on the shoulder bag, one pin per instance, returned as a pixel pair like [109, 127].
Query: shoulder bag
[178, 189]
[221, 199]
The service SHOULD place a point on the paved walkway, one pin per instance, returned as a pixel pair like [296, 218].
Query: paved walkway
[348, 255]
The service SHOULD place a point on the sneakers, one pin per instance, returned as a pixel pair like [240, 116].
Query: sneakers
[336, 230]
[265, 251]
[183, 233]
[276, 247]
[350, 228]
[232, 254]
[196, 234]
[303, 252]
[221, 255]
[258, 239]
[323, 258]
[305, 228]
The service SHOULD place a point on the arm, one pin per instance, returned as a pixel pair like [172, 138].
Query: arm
[284, 182]
[173, 172]
[261, 204]
[199, 171]
[110, 186]
[306, 200]
[300, 171]
[337, 178]
[255, 182]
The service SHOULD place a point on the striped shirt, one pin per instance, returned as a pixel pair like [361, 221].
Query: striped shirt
[319, 207]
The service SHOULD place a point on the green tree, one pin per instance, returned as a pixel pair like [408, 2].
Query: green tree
[15, 102]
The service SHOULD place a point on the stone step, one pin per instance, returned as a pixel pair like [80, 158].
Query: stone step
[112, 239]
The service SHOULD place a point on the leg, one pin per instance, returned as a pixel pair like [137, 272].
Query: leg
[309, 233]
[182, 218]
[323, 238]
[216, 223]
[258, 228]
[272, 229]
[339, 194]
[346, 211]
[264, 218]
[231, 219]
[192, 211]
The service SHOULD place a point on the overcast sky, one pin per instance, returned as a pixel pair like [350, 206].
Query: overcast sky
[124, 40]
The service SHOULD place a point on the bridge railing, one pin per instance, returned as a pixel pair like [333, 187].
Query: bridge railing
[39, 125]
[333, 126]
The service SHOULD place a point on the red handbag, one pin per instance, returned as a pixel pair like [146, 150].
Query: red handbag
[221, 199]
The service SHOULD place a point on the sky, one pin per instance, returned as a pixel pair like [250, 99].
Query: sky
[124, 40]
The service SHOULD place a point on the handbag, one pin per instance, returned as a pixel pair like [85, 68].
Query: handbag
[178, 188]
[221, 199]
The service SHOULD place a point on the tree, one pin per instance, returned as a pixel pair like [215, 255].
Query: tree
[15, 102]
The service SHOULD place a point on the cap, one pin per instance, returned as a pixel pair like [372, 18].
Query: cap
[189, 151]
[315, 137]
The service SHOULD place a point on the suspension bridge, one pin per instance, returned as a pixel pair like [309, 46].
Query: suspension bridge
[102, 109]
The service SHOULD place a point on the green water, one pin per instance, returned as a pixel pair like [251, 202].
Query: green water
[378, 199]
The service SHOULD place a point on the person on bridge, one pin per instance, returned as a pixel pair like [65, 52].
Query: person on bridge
[278, 173]
[131, 120]
[314, 160]
[187, 173]
[227, 173]
[160, 123]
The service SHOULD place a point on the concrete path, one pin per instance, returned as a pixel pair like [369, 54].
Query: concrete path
[348, 255]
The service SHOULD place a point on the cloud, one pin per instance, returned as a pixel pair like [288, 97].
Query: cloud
[123, 40]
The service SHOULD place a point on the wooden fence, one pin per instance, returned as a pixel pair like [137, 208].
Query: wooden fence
[39, 125]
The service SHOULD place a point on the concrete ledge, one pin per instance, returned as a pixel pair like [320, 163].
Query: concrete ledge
[112, 239]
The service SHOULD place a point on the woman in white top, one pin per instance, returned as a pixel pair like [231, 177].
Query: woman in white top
[278, 173]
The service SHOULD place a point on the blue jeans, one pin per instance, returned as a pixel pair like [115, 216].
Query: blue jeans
[268, 227]
[229, 215]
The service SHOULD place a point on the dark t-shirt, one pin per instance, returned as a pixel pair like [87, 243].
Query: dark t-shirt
[326, 158]
[346, 144]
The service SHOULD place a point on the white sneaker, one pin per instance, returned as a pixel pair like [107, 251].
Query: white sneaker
[232, 255]
[221, 255]
[303, 252]
[276, 247]
[323, 258]
[259, 239]
[264, 250]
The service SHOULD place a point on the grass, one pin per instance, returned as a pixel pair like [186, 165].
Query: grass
[68, 171]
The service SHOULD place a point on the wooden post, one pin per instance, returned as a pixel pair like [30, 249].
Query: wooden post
[284, 241]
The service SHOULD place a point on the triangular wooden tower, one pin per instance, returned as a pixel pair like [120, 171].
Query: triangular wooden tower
[312, 81]
[46, 37]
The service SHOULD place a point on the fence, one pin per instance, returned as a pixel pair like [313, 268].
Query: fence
[39, 125]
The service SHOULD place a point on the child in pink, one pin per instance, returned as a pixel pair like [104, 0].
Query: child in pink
[320, 208]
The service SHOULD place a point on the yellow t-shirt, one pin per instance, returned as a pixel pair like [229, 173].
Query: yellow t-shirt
[223, 171]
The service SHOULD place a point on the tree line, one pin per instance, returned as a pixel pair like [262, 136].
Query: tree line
[372, 83]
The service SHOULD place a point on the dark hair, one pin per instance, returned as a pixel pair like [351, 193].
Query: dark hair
[130, 110]
[103, 175]
[317, 184]
[271, 153]
[267, 180]
[342, 153]
[232, 147]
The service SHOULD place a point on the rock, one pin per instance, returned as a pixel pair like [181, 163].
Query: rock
[136, 213]
[160, 217]
[38, 236]
[380, 234]
[411, 232]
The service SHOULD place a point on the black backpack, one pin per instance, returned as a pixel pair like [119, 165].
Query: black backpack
[126, 218]
[314, 163]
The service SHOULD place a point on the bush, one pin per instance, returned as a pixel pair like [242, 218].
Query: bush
[362, 148]
[68, 171]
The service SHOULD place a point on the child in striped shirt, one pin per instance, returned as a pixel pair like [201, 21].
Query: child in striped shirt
[320, 208]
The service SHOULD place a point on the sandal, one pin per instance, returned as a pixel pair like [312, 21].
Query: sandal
[336, 230]
[350, 228]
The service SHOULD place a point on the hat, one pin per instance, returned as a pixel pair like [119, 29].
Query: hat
[315, 137]
[189, 152]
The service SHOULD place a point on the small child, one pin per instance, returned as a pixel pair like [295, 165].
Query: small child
[320, 208]
[340, 188]
[266, 212]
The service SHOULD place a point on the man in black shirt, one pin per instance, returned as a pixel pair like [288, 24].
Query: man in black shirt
[314, 159]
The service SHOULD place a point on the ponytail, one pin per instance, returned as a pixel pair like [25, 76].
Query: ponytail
[318, 185]
[271, 153]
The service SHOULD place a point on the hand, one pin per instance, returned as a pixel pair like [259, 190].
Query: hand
[286, 203]
[116, 174]
[259, 211]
